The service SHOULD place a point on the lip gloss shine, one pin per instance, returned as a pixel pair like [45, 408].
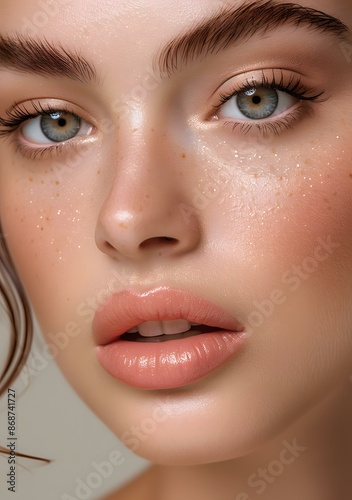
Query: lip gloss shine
[163, 365]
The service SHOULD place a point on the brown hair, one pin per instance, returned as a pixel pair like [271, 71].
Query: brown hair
[16, 306]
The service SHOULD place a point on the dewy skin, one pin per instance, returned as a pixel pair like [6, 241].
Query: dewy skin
[175, 196]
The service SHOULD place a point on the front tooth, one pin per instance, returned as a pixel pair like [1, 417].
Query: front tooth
[156, 328]
[133, 330]
[150, 329]
[176, 326]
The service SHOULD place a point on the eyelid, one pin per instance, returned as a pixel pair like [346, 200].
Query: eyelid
[42, 106]
[277, 78]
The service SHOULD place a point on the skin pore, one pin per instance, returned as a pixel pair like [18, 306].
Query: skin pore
[165, 184]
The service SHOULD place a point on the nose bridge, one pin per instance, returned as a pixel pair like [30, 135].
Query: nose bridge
[145, 155]
[142, 206]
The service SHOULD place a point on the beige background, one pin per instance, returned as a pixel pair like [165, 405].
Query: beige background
[52, 422]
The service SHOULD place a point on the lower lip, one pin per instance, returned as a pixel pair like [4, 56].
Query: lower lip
[167, 365]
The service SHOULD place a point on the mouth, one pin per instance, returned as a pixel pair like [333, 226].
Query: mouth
[164, 338]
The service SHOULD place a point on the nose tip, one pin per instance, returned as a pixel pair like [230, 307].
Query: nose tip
[157, 236]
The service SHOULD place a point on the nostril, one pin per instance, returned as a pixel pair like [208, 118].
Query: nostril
[166, 238]
[156, 241]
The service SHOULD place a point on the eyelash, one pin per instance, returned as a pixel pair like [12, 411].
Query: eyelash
[20, 114]
[294, 87]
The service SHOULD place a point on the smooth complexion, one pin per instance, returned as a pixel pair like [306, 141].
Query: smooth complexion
[260, 221]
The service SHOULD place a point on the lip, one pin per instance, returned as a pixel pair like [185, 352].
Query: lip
[170, 364]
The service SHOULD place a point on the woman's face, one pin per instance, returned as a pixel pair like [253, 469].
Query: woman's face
[154, 177]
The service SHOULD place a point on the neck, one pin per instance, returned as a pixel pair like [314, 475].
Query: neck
[311, 459]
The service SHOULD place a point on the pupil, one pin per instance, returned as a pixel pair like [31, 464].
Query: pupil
[257, 99]
[62, 122]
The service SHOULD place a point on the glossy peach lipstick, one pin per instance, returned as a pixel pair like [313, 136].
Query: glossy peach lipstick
[163, 360]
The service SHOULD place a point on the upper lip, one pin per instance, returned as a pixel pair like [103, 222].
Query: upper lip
[126, 309]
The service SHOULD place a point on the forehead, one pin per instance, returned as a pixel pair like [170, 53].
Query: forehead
[81, 20]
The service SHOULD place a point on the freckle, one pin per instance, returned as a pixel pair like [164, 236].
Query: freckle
[42, 182]
[58, 195]
[184, 155]
[57, 183]
[335, 193]
[47, 219]
[98, 173]
[152, 130]
[280, 178]
[256, 176]
[328, 176]
[350, 176]
[42, 229]
[123, 226]
[290, 194]
[148, 196]
[326, 199]
[31, 179]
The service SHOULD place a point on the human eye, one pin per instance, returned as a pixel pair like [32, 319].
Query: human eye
[267, 102]
[45, 128]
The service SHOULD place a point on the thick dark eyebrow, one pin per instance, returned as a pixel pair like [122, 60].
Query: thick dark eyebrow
[231, 26]
[39, 56]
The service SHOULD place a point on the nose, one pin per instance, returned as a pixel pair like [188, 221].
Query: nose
[148, 209]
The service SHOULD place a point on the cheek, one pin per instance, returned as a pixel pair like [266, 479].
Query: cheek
[48, 228]
[303, 209]
[318, 211]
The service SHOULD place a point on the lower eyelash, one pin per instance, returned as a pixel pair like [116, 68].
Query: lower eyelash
[274, 127]
[38, 153]
[50, 152]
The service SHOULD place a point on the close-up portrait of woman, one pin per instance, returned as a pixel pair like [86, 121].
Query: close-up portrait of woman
[176, 249]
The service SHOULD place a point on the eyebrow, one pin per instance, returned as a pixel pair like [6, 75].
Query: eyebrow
[45, 58]
[231, 26]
